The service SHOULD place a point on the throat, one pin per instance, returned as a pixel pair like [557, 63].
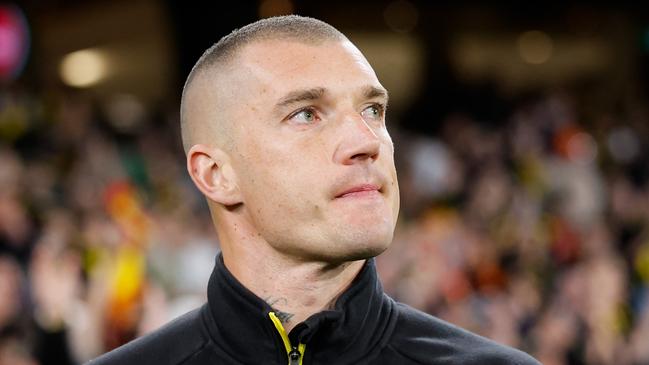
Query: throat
[294, 292]
[291, 312]
[283, 316]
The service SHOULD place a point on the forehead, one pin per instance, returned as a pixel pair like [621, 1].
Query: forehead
[284, 65]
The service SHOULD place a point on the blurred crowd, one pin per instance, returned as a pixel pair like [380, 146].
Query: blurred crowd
[102, 235]
[532, 230]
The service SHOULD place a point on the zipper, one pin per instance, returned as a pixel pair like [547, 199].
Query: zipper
[295, 357]
[295, 353]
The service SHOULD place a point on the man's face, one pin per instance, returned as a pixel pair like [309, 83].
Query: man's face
[312, 155]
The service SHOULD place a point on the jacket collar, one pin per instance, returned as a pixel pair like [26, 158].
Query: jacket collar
[360, 323]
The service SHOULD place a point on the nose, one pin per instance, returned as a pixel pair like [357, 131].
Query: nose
[359, 142]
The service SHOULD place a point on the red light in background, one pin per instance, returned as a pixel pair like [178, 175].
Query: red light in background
[14, 42]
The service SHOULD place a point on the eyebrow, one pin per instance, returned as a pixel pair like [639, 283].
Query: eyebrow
[301, 95]
[371, 92]
[297, 96]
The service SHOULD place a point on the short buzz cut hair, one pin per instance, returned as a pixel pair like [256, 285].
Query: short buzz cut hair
[288, 27]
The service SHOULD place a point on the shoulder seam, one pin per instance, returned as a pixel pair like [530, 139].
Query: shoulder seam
[390, 346]
[198, 350]
[206, 339]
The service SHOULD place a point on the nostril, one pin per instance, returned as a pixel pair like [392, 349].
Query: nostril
[364, 156]
[358, 147]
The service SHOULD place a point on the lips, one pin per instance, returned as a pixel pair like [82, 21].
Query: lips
[360, 191]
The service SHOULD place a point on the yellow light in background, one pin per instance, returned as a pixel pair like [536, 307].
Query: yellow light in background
[535, 47]
[269, 8]
[83, 68]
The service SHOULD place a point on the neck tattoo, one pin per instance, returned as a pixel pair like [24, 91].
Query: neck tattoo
[283, 317]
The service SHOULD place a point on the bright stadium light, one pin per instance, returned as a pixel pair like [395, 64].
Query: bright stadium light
[83, 68]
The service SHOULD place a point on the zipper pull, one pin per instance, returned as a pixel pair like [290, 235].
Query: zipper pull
[294, 356]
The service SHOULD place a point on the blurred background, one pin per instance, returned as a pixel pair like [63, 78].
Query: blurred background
[521, 135]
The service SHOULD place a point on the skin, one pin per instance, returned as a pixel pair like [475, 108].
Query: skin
[297, 126]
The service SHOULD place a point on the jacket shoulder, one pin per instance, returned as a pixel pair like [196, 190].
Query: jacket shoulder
[425, 339]
[171, 344]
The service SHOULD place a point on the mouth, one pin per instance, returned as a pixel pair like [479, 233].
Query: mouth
[360, 191]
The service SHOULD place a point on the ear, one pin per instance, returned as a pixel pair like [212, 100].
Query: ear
[213, 175]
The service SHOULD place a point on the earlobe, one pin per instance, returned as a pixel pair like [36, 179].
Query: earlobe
[210, 169]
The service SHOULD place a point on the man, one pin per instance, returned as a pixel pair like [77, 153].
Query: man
[283, 123]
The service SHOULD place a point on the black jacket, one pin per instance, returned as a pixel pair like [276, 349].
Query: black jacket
[366, 327]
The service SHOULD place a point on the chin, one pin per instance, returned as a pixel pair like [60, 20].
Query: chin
[366, 253]
[354, 248]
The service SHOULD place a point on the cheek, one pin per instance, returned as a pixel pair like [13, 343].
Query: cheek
[389, 167]
[385, 134]
[396, 199]
[280, 179]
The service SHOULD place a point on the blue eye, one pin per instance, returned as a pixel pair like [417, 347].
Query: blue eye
[305, 116]
[373, 112]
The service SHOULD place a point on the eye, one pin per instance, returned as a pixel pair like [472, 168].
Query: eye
[304, 116]
[373, 112]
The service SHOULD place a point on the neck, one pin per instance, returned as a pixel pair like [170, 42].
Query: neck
[295, 289]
